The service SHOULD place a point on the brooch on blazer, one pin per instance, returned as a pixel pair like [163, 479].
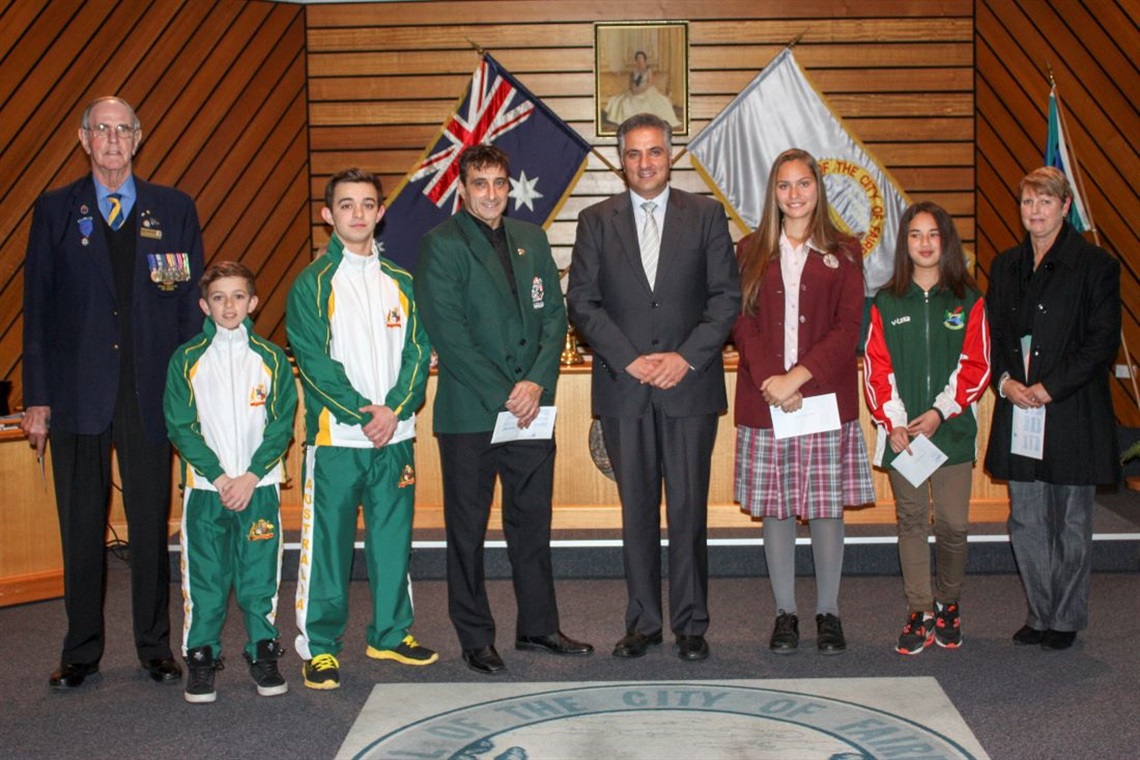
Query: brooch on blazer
[149, 227]
[86, 227]
[830, 261]
[520, 251]
[168, 269]
[537, 293]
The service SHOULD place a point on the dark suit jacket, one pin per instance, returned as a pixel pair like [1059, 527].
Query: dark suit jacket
[691, 310]
[487, 341]
[1076, 333]
[71, 326]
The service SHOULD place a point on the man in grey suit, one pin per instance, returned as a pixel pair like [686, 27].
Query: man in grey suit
[654, 290]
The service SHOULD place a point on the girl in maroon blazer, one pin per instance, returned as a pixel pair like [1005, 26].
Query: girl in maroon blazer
[802, 288]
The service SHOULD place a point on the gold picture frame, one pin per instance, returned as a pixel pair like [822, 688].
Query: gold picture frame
[641, 66]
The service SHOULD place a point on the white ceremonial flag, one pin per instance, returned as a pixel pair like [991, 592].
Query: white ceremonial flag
[781, 109]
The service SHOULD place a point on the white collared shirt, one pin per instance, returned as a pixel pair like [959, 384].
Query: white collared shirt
[792, 261]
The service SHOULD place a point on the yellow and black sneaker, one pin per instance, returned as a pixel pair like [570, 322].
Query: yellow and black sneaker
[409, 652]
[322, 672]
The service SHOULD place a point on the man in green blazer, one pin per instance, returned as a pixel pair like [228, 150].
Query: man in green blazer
[489, 295]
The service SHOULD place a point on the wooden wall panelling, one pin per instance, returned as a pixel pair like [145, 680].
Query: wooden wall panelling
[382, 79]
[1086, 45]
[220, 87]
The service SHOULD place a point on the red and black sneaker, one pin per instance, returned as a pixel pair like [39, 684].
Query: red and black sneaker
[947, 625]
[917, 634]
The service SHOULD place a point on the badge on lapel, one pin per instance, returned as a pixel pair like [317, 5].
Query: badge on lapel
[150, 227]
[830, 261]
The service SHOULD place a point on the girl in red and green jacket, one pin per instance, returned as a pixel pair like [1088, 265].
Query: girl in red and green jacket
[926, 363]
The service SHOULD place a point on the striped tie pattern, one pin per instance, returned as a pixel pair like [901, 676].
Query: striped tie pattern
[116, 219]
[650, 243]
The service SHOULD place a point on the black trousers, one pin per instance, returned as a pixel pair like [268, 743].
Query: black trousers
[81, 467]
[643, 451]
[526, 469]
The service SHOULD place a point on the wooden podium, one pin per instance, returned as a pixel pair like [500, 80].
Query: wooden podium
[584, 498]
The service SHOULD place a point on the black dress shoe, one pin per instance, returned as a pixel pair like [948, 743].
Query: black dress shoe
[1027, 636]
[554, 643]
[785, 634]
[1058, 639]
[484, 660]
[636, 644]
[163, 670]
[72, 674]
[829, 636]
[692, 647]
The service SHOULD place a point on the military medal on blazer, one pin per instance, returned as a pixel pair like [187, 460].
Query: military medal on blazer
[86, 226]
[168, 269]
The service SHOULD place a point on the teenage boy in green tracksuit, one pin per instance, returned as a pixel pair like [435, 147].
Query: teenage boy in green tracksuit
[229, 405]
[363, 358]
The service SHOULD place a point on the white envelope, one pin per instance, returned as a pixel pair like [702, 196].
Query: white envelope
[507, 427]
[818, 414]
[921, 463]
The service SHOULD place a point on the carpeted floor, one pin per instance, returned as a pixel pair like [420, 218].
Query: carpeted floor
[1018, 702]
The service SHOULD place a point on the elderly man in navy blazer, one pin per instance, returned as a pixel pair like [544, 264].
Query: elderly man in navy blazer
[110, 290]
[654, 289]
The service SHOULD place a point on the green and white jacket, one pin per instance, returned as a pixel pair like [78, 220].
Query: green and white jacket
[229, 404]
[357, 340]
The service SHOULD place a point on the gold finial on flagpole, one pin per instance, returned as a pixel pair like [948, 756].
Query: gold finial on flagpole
[1049, 69]
[796, 40]
[478, 48]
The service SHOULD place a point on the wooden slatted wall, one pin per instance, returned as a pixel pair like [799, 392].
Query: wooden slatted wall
[219, 86]
[384, 76]
[1092, 48]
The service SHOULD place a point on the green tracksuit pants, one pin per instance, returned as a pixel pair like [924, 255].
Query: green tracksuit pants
[222, 549]
[337, 481]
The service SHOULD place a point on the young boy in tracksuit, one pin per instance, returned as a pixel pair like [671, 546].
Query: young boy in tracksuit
[363, 359]
[229, 405]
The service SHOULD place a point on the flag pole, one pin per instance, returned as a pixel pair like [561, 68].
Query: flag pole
[1088, 210]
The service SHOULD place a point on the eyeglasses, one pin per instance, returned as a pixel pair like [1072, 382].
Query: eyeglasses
[103, 131]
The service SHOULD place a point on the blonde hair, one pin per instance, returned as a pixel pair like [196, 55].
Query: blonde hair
[1047, 180]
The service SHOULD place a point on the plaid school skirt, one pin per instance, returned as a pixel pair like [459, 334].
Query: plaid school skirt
[813, 476]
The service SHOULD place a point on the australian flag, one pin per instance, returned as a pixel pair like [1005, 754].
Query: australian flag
[547, 156]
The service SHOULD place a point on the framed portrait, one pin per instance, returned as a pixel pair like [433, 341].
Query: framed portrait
[641, 67]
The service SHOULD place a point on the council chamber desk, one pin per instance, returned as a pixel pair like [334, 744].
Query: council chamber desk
[584, 498]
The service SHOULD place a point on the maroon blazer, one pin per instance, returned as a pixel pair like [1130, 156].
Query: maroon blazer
[831, 313]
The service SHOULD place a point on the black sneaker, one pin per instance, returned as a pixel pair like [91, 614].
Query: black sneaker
[829, 634]
[201, 667]
[264, 670]
[947, 625]
[322, 672]
[917, 634]
[786, 634]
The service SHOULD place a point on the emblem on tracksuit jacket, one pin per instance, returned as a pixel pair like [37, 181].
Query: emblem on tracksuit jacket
[262, 530]
[955, 320]
[407, 477]
[394, 318]
[258, 395]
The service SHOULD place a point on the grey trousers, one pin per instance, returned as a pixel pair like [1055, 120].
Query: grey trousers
[1050, 529]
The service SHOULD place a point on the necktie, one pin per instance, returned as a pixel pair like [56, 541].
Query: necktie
[116, 218]
[650, 243]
